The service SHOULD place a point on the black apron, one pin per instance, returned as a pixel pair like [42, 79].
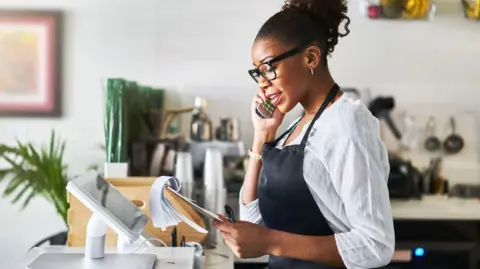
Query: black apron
[285, 201]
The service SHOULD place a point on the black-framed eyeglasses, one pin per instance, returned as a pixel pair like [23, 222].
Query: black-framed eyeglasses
[267, 71]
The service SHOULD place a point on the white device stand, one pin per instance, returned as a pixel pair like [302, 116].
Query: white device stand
[96, 235]
[122, 243]
[95, 238]
[98, 223]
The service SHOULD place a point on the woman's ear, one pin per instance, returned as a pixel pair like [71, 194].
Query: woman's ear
[312, 56]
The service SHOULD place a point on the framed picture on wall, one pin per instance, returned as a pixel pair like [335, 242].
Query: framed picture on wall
[30, 63]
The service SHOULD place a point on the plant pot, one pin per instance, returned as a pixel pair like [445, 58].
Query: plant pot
[59, 239]
[116, 170]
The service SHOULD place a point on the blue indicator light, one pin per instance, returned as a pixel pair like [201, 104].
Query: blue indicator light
[419, 252]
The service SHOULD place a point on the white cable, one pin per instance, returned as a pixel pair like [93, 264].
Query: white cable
[148, 240]
[222, 255]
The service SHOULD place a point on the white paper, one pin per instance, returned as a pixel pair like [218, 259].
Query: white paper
[164, 214]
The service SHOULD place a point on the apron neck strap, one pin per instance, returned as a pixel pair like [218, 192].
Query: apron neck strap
[288, 130]
[330, 97]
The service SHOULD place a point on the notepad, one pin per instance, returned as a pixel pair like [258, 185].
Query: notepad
[163, 212]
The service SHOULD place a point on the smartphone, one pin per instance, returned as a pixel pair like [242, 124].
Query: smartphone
[265, 109]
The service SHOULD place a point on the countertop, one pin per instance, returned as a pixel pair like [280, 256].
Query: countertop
[436, 208]
[219, 258]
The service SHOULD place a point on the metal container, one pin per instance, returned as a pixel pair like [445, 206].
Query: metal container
[229, 129]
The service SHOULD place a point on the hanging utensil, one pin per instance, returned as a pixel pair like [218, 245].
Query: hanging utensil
[381, 107]
[432, 143]
[454, 143]
[413, 133]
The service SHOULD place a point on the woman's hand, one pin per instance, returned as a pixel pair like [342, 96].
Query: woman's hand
[265, 128]
[245, 239]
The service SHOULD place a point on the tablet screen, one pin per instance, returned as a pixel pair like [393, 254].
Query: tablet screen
[112, 201]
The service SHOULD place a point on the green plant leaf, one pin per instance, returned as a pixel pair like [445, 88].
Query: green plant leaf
[52, 143]
[13, 185]
[4, 174]
[21, 194]
[27, 200]
[36, 171]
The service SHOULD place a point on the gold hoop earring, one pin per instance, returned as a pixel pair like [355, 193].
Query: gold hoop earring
[311, 71]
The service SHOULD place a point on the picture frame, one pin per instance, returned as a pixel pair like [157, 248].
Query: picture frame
[31, 49]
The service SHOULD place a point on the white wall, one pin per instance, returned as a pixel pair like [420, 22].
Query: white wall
[203, 47]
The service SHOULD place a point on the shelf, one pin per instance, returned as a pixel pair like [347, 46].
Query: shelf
[406, 10]
[419, 10]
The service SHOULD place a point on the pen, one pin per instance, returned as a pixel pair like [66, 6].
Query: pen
[174, 237]
[230, 214]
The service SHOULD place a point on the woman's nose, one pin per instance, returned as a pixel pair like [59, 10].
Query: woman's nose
[264, 83]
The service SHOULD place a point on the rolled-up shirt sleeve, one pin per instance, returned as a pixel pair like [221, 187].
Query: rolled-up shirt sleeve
[249, 212]
[361, 182]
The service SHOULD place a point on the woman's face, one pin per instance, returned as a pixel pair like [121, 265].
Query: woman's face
[292, 74]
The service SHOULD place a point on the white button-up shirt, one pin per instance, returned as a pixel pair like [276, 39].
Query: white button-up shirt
[346, 169]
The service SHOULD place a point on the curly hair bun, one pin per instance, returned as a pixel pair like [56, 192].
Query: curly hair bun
[328, 14]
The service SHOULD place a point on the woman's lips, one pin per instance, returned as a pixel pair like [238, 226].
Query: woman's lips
[275, 98]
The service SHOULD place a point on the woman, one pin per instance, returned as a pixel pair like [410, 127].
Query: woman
[320, 188]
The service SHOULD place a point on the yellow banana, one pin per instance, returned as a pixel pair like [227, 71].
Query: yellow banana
[469, 9]
[409, 8]
[409, 5]
[476, 13]
[425, 8]
[413, 10]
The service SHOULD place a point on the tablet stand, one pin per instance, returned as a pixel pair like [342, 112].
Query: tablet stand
[108, 208]
[95, 238]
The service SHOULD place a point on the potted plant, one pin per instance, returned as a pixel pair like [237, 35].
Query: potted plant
[36, 171]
